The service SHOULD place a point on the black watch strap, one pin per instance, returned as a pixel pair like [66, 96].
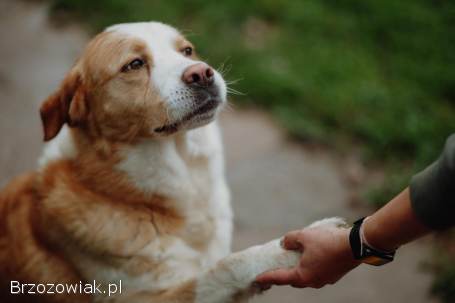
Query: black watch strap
[363, 251]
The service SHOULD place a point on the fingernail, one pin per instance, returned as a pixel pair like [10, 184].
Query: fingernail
[282, 242]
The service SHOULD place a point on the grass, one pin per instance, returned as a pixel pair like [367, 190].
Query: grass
[444, 283]
[443, 267]
[378, 72]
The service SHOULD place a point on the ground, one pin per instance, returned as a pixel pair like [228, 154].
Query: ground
[277, 185]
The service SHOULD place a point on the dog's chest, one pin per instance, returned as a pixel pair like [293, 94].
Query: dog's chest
[180, 250]
[196, 186]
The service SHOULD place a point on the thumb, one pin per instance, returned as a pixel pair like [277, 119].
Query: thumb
[291, 240]
[278, 277]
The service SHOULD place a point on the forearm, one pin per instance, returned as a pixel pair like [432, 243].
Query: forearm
[327, 254]
[394, 224]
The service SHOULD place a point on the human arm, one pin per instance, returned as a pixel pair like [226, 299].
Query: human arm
[327, 256]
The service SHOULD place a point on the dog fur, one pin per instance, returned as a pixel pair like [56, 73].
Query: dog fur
[117, 198]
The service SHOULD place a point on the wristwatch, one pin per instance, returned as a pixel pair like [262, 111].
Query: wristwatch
[363, 252]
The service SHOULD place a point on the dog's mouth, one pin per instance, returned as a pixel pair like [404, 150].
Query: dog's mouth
[202, 113]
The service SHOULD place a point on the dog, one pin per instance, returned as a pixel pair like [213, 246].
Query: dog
[130, 188]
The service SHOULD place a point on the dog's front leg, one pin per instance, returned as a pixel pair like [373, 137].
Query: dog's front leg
[228, 281]
[231, 279]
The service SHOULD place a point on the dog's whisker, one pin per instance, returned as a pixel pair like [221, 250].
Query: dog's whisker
[230, 82]
[220, 68]
[227, 69]
[235, 92]
[224, 69]
[222, 65]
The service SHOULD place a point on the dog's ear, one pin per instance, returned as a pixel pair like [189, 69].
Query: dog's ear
[66, 105]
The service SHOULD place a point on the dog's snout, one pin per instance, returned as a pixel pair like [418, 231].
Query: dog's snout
[199, 73]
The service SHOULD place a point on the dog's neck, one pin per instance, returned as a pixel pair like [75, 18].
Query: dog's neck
[149, 167]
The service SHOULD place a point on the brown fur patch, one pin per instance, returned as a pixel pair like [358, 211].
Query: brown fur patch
[67, 105]
[185, 293]
[181, 43]
[23, 256]
[98, 97]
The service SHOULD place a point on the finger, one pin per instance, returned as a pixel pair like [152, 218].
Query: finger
[304, 280]
[278, 277]
[261, 287]
[291, 240]
[308, 279]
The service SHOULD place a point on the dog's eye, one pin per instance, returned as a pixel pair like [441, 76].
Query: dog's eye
[135, 64]
[188, 51]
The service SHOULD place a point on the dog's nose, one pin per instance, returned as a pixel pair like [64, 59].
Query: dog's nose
[199, 73]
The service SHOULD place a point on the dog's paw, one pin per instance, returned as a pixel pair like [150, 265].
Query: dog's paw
[277, 256]
[329, 222]
[236, 273]
[245, 265]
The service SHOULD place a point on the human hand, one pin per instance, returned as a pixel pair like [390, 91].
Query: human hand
[326, 257]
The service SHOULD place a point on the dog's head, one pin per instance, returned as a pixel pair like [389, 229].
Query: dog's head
[135, 80]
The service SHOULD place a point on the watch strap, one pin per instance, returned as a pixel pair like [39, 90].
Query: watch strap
[365, 253]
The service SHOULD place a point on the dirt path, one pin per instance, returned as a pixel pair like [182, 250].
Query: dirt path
[276, 185]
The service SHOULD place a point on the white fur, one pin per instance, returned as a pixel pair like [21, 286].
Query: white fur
[235, 274]
[335, 222]
[60, 147]
[159, 167]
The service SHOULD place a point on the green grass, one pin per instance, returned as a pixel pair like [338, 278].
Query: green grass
[443, 267]
[376, 72]
[444, 283]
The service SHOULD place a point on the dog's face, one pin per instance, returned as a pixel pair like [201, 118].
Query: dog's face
[136, 80]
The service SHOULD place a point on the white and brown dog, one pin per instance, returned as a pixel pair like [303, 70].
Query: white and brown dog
[133, 188]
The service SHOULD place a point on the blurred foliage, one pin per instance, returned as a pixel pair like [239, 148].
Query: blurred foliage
[444, 284]
[378, 72]
[443, 266]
